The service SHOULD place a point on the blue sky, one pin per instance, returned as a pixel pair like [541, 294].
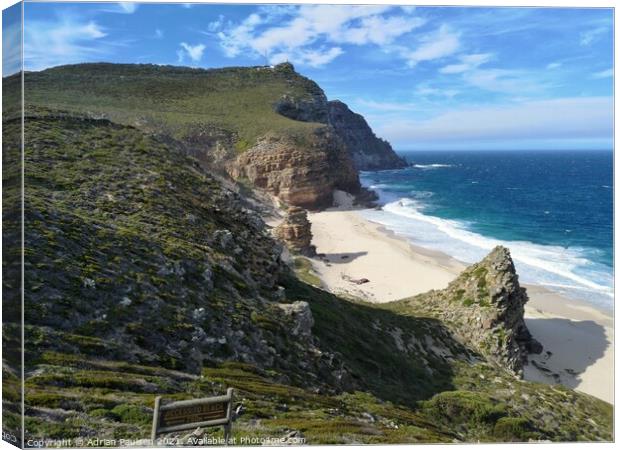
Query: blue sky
[425, 77]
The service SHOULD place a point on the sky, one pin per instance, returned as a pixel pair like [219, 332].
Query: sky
[424, 78]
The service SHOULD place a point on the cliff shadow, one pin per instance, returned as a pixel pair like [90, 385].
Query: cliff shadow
[569, 349]
[340, 258]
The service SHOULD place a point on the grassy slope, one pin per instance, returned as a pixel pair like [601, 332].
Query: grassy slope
[74, 394]
[107, 208]
[178, 101]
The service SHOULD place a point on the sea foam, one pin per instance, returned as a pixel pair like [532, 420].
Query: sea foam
[567, 271]
[432, 166]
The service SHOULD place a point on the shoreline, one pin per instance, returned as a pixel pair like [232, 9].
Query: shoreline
[577, 337]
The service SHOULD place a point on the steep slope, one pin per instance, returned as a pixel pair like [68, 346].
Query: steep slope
[367, 150]
[130, 241]
[266, 125]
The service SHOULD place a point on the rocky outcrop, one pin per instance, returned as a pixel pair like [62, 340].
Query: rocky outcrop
[295, 232]
[301, 175]
[306, 109]
[484, 307]
[309, 106]
[210, 144]
[367, 150]
[301, 320]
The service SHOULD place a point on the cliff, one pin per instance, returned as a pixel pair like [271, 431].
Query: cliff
[302, 175]
[367, 150]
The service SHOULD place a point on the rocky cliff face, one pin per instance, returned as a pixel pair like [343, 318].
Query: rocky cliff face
[367, 150]
[311, 106]
[302, 175]
[484, 306]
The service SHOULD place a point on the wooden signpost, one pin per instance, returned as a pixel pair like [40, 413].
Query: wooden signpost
[192, 414]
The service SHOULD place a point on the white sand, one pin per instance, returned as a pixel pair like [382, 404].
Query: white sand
[579, 337]
[355, 248]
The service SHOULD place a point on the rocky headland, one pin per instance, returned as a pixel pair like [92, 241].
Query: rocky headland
[484, 306]
[367, 150]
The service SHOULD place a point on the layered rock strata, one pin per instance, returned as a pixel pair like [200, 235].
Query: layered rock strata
[304, 176]
[295, 232]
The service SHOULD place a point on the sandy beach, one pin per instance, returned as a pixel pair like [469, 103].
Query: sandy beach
[577, 337]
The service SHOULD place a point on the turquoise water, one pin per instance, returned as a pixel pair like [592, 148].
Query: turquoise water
[553, 209]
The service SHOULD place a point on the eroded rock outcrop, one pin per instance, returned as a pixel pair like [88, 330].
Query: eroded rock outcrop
[295, 231]
[484, 307]
[367, 150]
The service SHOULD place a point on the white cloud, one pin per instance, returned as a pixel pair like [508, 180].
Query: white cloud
[564, 118]
[48, 44]
[119, 7]
[468, 62]
[426, 91]
[515, 82]
[586, 38]
[377, 30]
[193, 51]
[554, 65]
[128, 7]
[239, 38]
[300, 30]
[216, 24]
[443, 42]
[604, 74]
[508, 81]
[313, 58]
[159, 34]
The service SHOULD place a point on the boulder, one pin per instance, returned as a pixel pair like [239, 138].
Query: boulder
[301, 318]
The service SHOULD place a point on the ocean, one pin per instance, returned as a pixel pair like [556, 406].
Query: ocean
[552, 209]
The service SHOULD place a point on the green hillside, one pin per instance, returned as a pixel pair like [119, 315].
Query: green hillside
[179, 101]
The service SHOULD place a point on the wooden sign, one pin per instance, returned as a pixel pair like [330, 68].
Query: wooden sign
[192, 414]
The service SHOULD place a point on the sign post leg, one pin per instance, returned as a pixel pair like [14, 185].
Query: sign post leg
[155, 420]
[227, 433]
